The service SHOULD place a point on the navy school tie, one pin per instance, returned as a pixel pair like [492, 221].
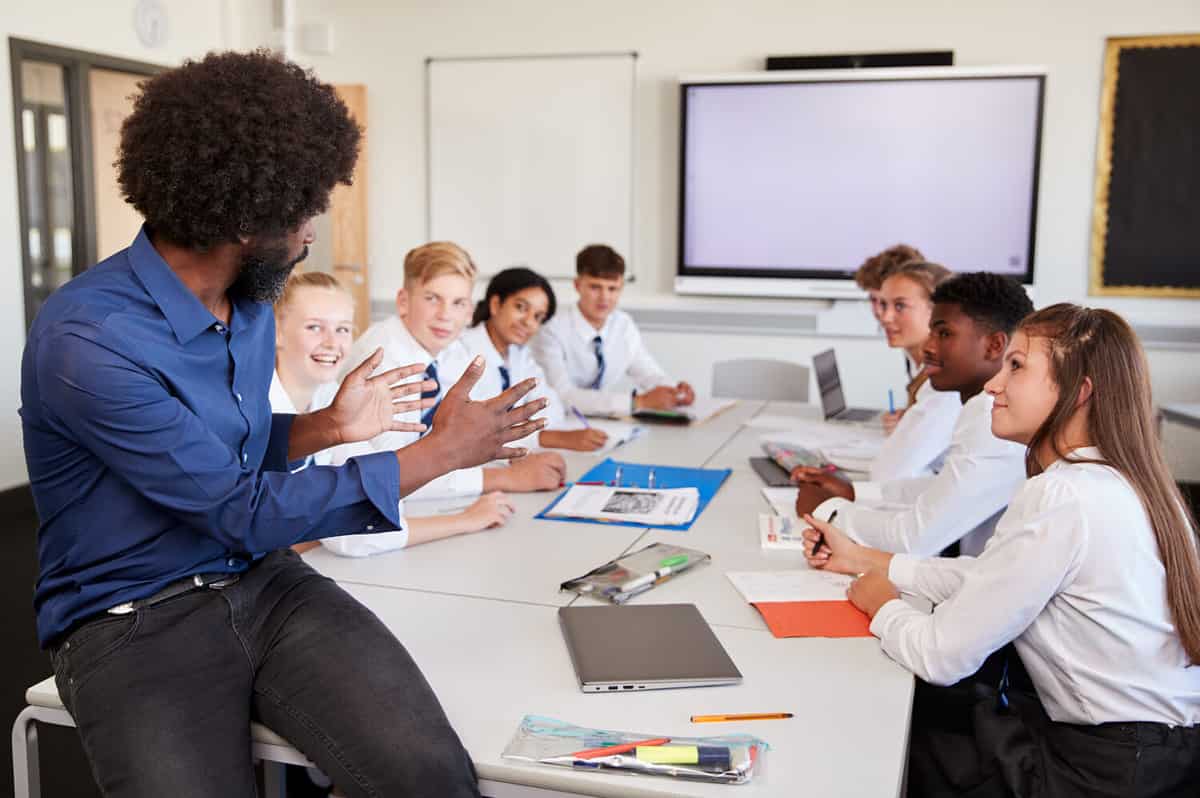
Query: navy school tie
[431, 374]
[596, 343]
[504, 378]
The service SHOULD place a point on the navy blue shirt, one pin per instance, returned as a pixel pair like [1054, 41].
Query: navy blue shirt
[151, 446]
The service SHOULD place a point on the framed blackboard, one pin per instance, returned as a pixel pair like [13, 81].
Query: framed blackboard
[1146, 215]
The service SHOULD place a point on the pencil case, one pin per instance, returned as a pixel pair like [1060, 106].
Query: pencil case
[621, 579]
[731, 759]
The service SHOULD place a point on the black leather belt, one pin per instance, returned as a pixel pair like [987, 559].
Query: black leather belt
[176, 588]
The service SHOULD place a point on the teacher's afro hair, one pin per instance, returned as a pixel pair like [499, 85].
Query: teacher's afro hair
[234, 145]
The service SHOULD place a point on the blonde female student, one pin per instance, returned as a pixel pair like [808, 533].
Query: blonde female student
[517, 303]
[1092, 575]
[314, 328]
[919, 434]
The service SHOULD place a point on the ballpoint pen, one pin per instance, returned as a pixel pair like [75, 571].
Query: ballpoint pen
[580, 416]
[891, 402]
[821, 536]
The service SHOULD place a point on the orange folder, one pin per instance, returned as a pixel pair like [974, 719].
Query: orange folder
[814, 619]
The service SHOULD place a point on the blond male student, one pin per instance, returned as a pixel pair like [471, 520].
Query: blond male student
[431, 310]
[594, 347]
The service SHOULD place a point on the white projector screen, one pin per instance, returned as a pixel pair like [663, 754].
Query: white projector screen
[804, 179]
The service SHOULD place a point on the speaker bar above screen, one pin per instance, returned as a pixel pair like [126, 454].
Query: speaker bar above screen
[789, 181]
[926, 58]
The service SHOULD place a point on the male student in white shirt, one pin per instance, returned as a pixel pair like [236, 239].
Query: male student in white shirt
[593, 346]
[974, 315]
[432, 308]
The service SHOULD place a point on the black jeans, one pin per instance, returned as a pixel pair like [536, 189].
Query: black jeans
[163, 697]
[964, 743]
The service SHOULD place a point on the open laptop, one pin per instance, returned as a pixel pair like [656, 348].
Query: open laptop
[646, 647]
[833, 401]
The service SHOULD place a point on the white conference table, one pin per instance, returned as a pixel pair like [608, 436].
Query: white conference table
[478, 613]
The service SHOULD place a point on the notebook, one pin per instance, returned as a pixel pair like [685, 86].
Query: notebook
[646, 647]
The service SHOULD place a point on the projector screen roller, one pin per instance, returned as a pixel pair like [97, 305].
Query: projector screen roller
[807, 178]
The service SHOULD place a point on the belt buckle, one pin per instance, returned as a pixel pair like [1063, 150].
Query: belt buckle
[121, 609]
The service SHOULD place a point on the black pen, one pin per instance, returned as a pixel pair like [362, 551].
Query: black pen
[821, 536]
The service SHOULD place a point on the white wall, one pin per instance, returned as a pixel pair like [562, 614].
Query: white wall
[100, 27]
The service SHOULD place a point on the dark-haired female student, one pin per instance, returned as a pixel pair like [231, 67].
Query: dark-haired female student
[1092, 575]
[517, 303]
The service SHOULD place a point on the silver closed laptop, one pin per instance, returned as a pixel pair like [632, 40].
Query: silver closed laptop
[646, 647]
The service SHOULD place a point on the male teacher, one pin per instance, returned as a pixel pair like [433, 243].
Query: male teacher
[172, 608]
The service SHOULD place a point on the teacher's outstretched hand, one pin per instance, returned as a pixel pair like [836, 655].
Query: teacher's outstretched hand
[473, 433]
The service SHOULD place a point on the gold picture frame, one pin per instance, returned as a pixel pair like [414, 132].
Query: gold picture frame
[1114, 46]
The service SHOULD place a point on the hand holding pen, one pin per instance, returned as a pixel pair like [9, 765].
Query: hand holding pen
[830, 549]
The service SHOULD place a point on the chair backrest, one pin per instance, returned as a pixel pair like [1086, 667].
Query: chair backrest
[760, 379]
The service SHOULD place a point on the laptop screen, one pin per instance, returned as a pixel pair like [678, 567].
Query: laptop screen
[833, 401]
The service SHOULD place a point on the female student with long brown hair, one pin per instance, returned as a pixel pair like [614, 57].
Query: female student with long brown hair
[1092, 574]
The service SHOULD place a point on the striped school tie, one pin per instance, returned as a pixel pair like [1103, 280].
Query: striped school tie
[596, 343]
[431, 374]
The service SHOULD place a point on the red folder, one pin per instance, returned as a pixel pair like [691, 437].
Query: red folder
[814, 619]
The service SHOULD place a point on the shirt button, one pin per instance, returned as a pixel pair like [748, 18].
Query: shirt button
[219, 328]
[239, 396]
[244, 457]
[370, 527]
[232, 563]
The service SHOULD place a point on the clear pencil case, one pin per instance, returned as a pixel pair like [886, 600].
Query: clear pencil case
[732, 759]
[621, 579]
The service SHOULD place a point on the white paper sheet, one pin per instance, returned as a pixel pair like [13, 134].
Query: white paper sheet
[637, 505]
[619, 433]
[808, 584]
[782, 501]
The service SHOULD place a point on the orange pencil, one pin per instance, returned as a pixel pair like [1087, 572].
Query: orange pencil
[747, 716]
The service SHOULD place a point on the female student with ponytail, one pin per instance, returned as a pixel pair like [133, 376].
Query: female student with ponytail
[1092, 575]
[517, 303]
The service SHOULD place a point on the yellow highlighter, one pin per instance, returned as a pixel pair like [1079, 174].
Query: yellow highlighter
[707, 755]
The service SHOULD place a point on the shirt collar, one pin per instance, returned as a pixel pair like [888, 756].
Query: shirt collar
[482, 344]
[180, 307]
[584, 328]
[1075, 455]
[401, 333]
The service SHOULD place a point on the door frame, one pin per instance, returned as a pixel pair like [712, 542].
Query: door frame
[77, 65]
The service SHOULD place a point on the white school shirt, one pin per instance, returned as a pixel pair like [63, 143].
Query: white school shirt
[357, 545]
[564, 348]
[918, 444]
[521, 365]
[401, 349]
[1073, 577]
[962, 502]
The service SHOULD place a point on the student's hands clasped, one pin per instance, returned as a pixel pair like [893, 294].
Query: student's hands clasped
[829, 548]
[816, 486]
[836, 486]
[366, 405]
[490, 510]
[540, 471]
[665, 397]
[470, 433]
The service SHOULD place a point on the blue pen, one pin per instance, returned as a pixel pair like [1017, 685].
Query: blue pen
[891, 402]
[580, 416]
